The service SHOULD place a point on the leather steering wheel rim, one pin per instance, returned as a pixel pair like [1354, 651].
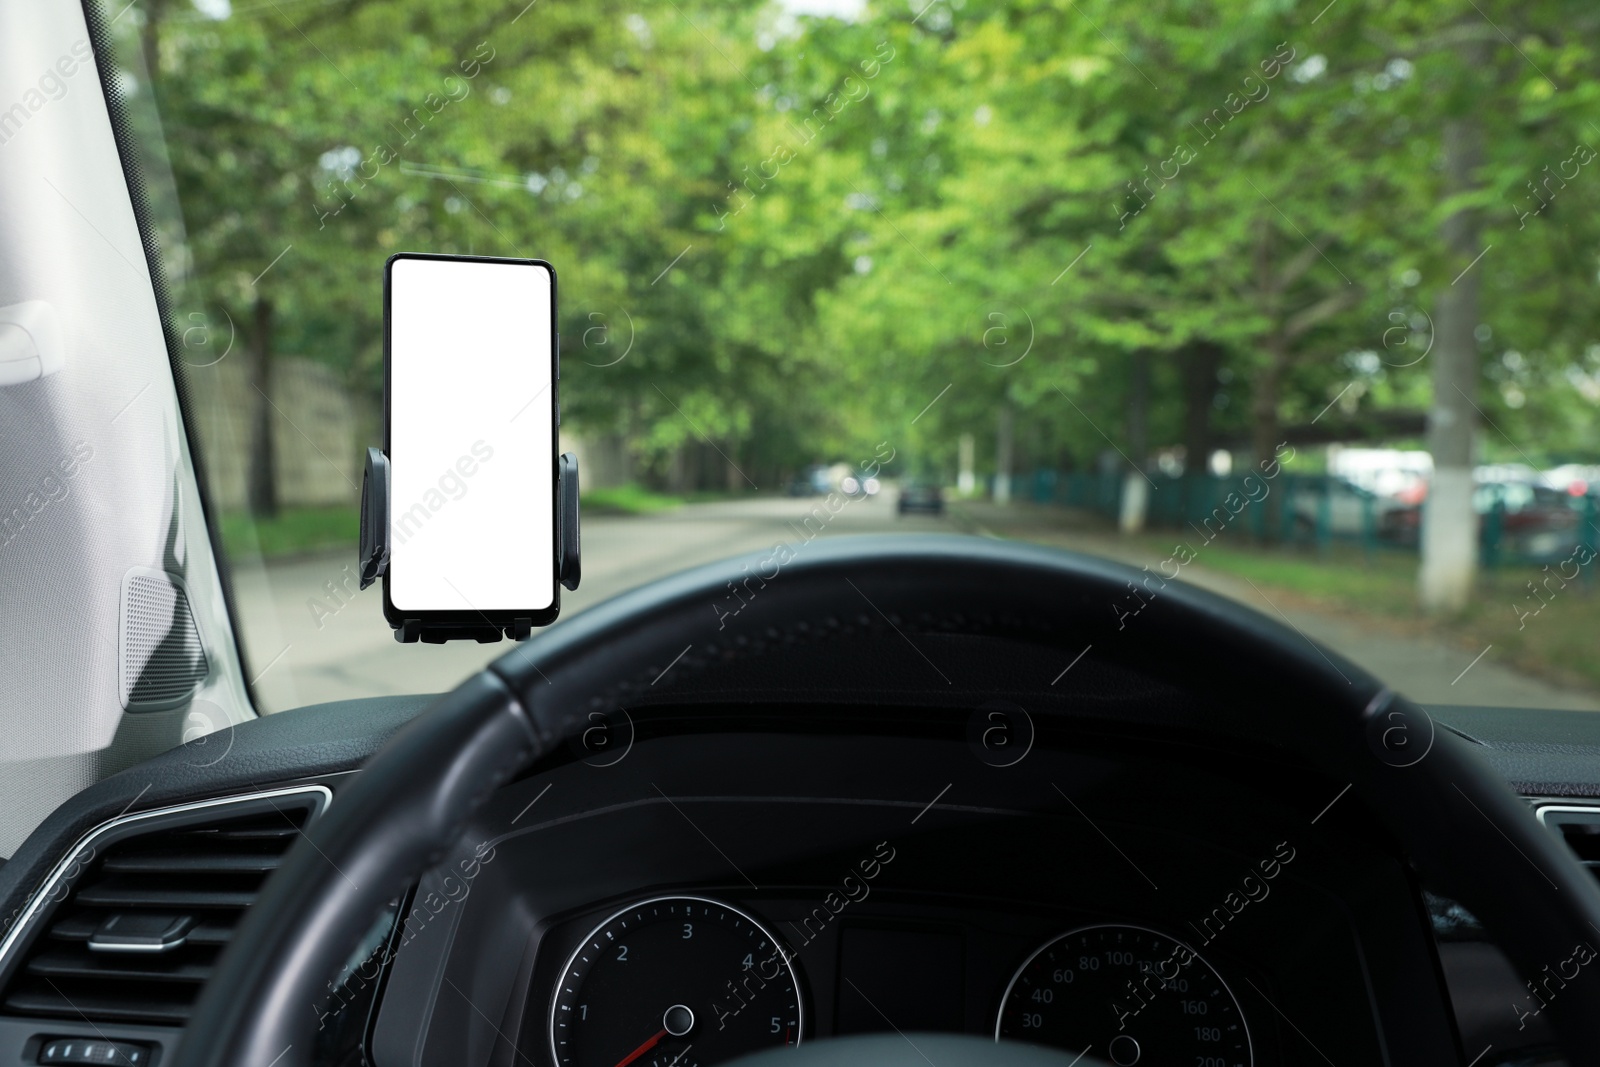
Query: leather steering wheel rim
[412, 800]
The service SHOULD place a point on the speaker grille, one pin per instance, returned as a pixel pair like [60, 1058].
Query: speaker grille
[162, 661]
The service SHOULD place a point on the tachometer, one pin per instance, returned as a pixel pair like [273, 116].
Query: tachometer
[674, 982]
[1128, 996]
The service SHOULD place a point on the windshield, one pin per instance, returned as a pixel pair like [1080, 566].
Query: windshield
[1295, 303]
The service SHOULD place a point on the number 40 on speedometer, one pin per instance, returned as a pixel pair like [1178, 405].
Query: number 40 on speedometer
[1126, 995]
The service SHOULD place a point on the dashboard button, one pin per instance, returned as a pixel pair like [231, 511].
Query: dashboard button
[94, 1050]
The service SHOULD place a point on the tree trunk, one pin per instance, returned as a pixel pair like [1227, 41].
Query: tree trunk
[1135, 487]
[1200, 361]
[1268, 386]
[627, 471]
[678, 469]
[1450, 525]
[155, 13]
[1002, 455]
[262, 477]
[695, 474]
[1265, 427]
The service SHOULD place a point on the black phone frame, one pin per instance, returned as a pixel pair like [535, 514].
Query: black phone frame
[483, 626]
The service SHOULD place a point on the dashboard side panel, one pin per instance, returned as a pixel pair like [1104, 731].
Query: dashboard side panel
[276, 749]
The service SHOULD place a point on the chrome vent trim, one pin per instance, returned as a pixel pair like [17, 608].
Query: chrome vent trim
[1577, 824]
[80, 870]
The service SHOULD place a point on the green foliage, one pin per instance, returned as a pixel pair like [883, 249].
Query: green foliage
[628, 500]
[783, 240]
[292, 532]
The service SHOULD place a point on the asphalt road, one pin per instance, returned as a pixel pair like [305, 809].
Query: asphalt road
[312, 637]
[325, 651]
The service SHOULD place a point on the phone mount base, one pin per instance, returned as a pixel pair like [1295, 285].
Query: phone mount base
[374, 550]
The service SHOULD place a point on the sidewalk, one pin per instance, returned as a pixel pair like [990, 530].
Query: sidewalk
[1427, 671]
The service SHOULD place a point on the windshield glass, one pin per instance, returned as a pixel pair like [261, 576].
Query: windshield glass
[1295, 304]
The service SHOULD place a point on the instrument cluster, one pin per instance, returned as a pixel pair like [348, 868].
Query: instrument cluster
[693, 981]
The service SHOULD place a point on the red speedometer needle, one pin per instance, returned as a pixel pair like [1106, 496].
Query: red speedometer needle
[641, 1050]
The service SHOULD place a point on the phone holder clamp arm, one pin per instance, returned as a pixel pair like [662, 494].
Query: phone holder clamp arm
[374, 517]
[569, 561]
[374, 548]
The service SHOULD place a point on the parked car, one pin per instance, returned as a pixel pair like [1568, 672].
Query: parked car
[923, 496]
[812, 481]
[1537, 523]
[1347, 503]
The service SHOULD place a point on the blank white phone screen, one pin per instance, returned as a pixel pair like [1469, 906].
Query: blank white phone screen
[471, 448]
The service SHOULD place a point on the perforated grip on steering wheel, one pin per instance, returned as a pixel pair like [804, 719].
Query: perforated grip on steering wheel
[415, 797]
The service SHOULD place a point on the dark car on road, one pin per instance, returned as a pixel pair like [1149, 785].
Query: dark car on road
[921, 496]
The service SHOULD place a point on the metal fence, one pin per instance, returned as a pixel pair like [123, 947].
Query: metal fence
[1319, 511]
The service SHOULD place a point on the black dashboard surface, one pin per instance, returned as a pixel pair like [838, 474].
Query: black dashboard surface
[769, 819]
[1546, 753]
[1539, 752]
[988, 862]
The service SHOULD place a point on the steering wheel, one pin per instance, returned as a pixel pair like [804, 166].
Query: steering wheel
[1210, 664]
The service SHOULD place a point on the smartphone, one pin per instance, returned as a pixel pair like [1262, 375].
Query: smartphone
[471, 417]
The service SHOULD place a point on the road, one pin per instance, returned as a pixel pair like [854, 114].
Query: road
[306, 648]
[312, 637]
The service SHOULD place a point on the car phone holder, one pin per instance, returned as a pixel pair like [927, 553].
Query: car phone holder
[374, 547]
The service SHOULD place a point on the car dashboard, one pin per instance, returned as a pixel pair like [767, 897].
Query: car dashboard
[1130, 900]
[691, 883]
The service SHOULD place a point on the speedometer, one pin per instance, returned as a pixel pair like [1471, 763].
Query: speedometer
[1128, 996]
[674, 982]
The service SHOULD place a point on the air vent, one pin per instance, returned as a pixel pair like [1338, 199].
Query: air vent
[1579, 827]
[153, 904]
[160, 657]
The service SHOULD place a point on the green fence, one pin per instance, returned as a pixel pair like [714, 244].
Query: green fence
[1320, 511]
